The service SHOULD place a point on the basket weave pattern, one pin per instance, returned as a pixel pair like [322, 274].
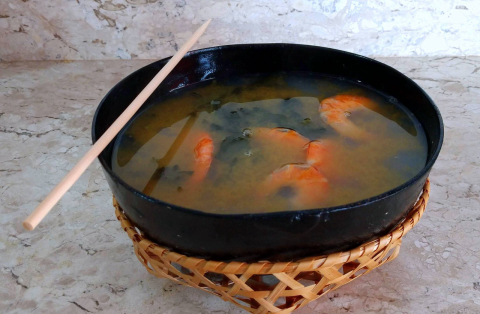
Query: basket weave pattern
[266, 287]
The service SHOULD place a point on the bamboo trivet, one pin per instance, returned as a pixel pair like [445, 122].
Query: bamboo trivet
[265, 287]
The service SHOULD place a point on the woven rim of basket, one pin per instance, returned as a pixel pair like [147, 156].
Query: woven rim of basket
[265, 267]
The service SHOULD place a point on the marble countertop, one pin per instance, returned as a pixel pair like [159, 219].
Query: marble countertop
[146, 29]
[80, 261]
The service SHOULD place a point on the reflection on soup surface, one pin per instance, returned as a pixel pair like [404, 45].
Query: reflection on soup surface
[270, 143]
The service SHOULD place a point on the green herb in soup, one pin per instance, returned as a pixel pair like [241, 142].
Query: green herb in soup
[270, 143]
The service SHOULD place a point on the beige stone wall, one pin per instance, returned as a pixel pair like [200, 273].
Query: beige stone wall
[151, 29]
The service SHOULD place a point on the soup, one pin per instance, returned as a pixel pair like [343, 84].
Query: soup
[267, 143]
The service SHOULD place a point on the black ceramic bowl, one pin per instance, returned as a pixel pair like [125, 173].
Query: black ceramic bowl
[273, 236]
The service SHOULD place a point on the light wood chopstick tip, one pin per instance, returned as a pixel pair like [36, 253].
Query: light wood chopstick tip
[28, 226]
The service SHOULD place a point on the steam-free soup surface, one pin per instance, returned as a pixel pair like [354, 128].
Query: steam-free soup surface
[248, 145]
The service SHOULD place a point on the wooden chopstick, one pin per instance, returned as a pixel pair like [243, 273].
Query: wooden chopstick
[47, 204]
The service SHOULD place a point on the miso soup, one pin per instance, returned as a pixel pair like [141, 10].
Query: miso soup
[267, 143]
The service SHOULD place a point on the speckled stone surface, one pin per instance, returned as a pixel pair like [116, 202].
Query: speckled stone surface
[152, 29]
[80, 261]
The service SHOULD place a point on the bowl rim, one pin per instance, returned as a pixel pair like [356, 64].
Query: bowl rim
[298, 213]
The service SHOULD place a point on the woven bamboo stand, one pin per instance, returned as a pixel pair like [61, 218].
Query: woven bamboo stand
[265, 287]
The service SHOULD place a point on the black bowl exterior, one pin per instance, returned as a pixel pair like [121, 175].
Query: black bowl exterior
[271, 236]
